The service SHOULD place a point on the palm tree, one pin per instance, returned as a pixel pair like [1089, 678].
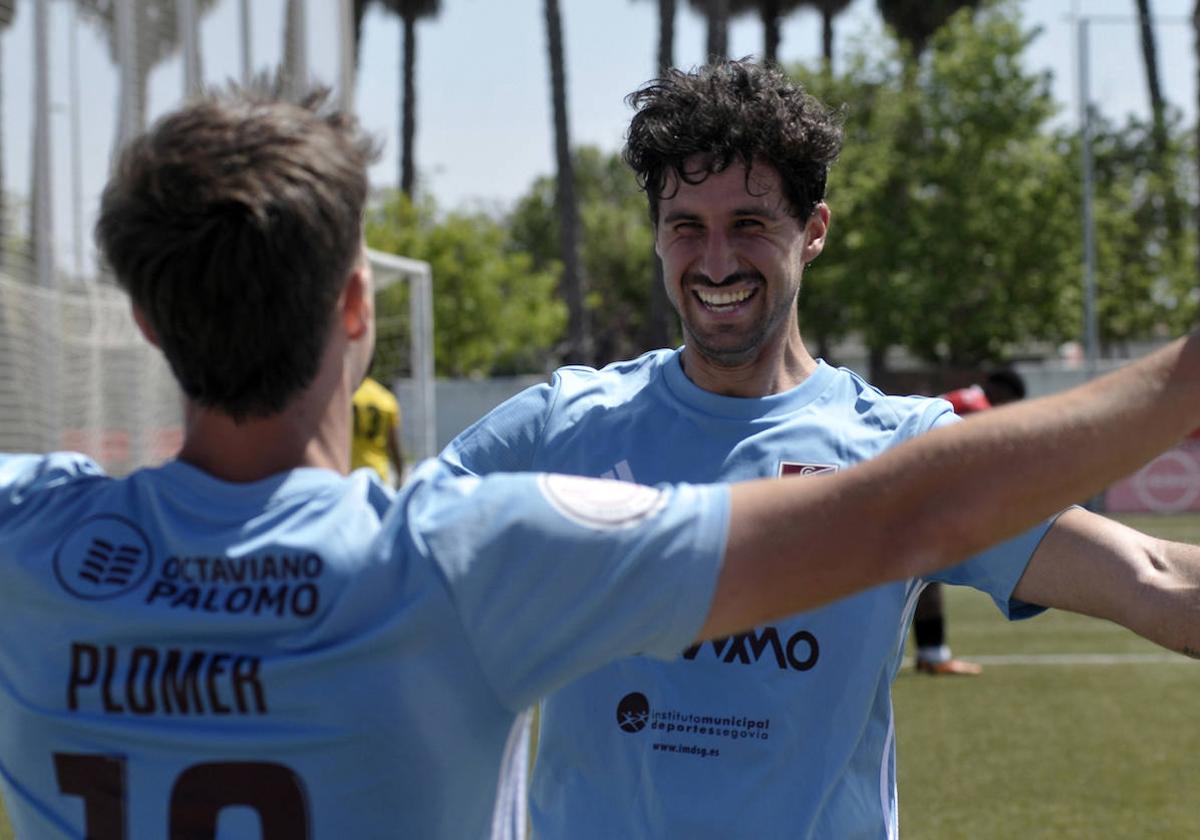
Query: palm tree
[915, 21]
[8, 11]
[409, 12]
[716, 12]
[666, 35]
[156, 26]
[1153, 83]
[295, 47]
[1196, 50]
[772, 13]
[1172, 212]
[661, 321]
[578, 334]
[829, 9]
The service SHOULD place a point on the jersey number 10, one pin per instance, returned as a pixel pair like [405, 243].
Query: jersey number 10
[200, 792]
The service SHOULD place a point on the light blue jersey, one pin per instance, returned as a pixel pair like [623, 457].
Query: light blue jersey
[309, 655]
[785, 731]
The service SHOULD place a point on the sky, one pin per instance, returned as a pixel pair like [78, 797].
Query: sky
[484, 122]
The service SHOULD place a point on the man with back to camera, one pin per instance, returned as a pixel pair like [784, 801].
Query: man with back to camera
[247, 640]
[786, 729]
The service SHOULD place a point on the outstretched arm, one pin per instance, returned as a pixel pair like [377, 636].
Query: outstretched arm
[794, 545]
[1092, 565]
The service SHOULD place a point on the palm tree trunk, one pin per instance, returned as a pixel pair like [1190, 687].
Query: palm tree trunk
[1196, 49]
[771, 30]
[718, 29]
[295, 46]
[666, 35]
[1153, 83]
[827, 39]
[409, 107]
[1172, 213]
[658, 332]
[578, 335]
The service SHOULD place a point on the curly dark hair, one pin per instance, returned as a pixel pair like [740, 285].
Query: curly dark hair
[233, 224]
[732, 111]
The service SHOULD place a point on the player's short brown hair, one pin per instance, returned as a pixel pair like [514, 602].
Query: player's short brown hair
[233, 224]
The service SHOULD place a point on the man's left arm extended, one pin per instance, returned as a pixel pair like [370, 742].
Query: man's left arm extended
[1096, 566]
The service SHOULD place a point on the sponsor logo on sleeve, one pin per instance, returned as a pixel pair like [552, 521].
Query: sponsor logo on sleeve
[598, 504]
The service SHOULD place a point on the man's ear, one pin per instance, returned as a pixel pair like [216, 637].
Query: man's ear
[357, 304]
[815, 230]
[143, 322]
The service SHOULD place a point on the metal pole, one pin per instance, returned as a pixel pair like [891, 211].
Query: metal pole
[1091, 333]
[421, 317]
[247, 58]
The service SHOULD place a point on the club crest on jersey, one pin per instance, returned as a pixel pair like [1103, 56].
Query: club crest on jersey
[797, 468]
[103, 557]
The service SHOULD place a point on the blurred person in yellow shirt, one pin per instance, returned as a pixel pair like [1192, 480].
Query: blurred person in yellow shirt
[375, 438]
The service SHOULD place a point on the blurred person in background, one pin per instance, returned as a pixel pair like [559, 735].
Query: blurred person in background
[934, 656]
[375, 432]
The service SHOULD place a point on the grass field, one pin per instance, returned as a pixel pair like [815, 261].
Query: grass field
[1046, 744]
[1049, 749]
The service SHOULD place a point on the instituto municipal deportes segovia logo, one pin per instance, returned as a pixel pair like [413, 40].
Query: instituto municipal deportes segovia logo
[632, 712]
[102, 557]
[634, 715]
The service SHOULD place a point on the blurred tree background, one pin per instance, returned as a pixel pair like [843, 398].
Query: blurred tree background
[956, 231]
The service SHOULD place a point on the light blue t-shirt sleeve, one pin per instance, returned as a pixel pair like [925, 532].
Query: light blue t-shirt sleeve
[23, 477]
[554, 576]
[996, 570]
[506, 438]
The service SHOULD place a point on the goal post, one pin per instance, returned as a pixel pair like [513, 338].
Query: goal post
[420, 416]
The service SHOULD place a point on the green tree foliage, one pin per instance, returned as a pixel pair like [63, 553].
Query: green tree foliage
[616, 248]
[956, 243]
[1146, 282]
[494, 312]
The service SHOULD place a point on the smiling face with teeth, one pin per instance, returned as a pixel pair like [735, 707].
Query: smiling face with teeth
[733, 257]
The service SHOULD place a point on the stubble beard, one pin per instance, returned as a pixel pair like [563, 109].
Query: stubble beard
[743, 344]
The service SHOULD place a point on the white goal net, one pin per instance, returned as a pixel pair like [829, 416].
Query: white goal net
[76, 374]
